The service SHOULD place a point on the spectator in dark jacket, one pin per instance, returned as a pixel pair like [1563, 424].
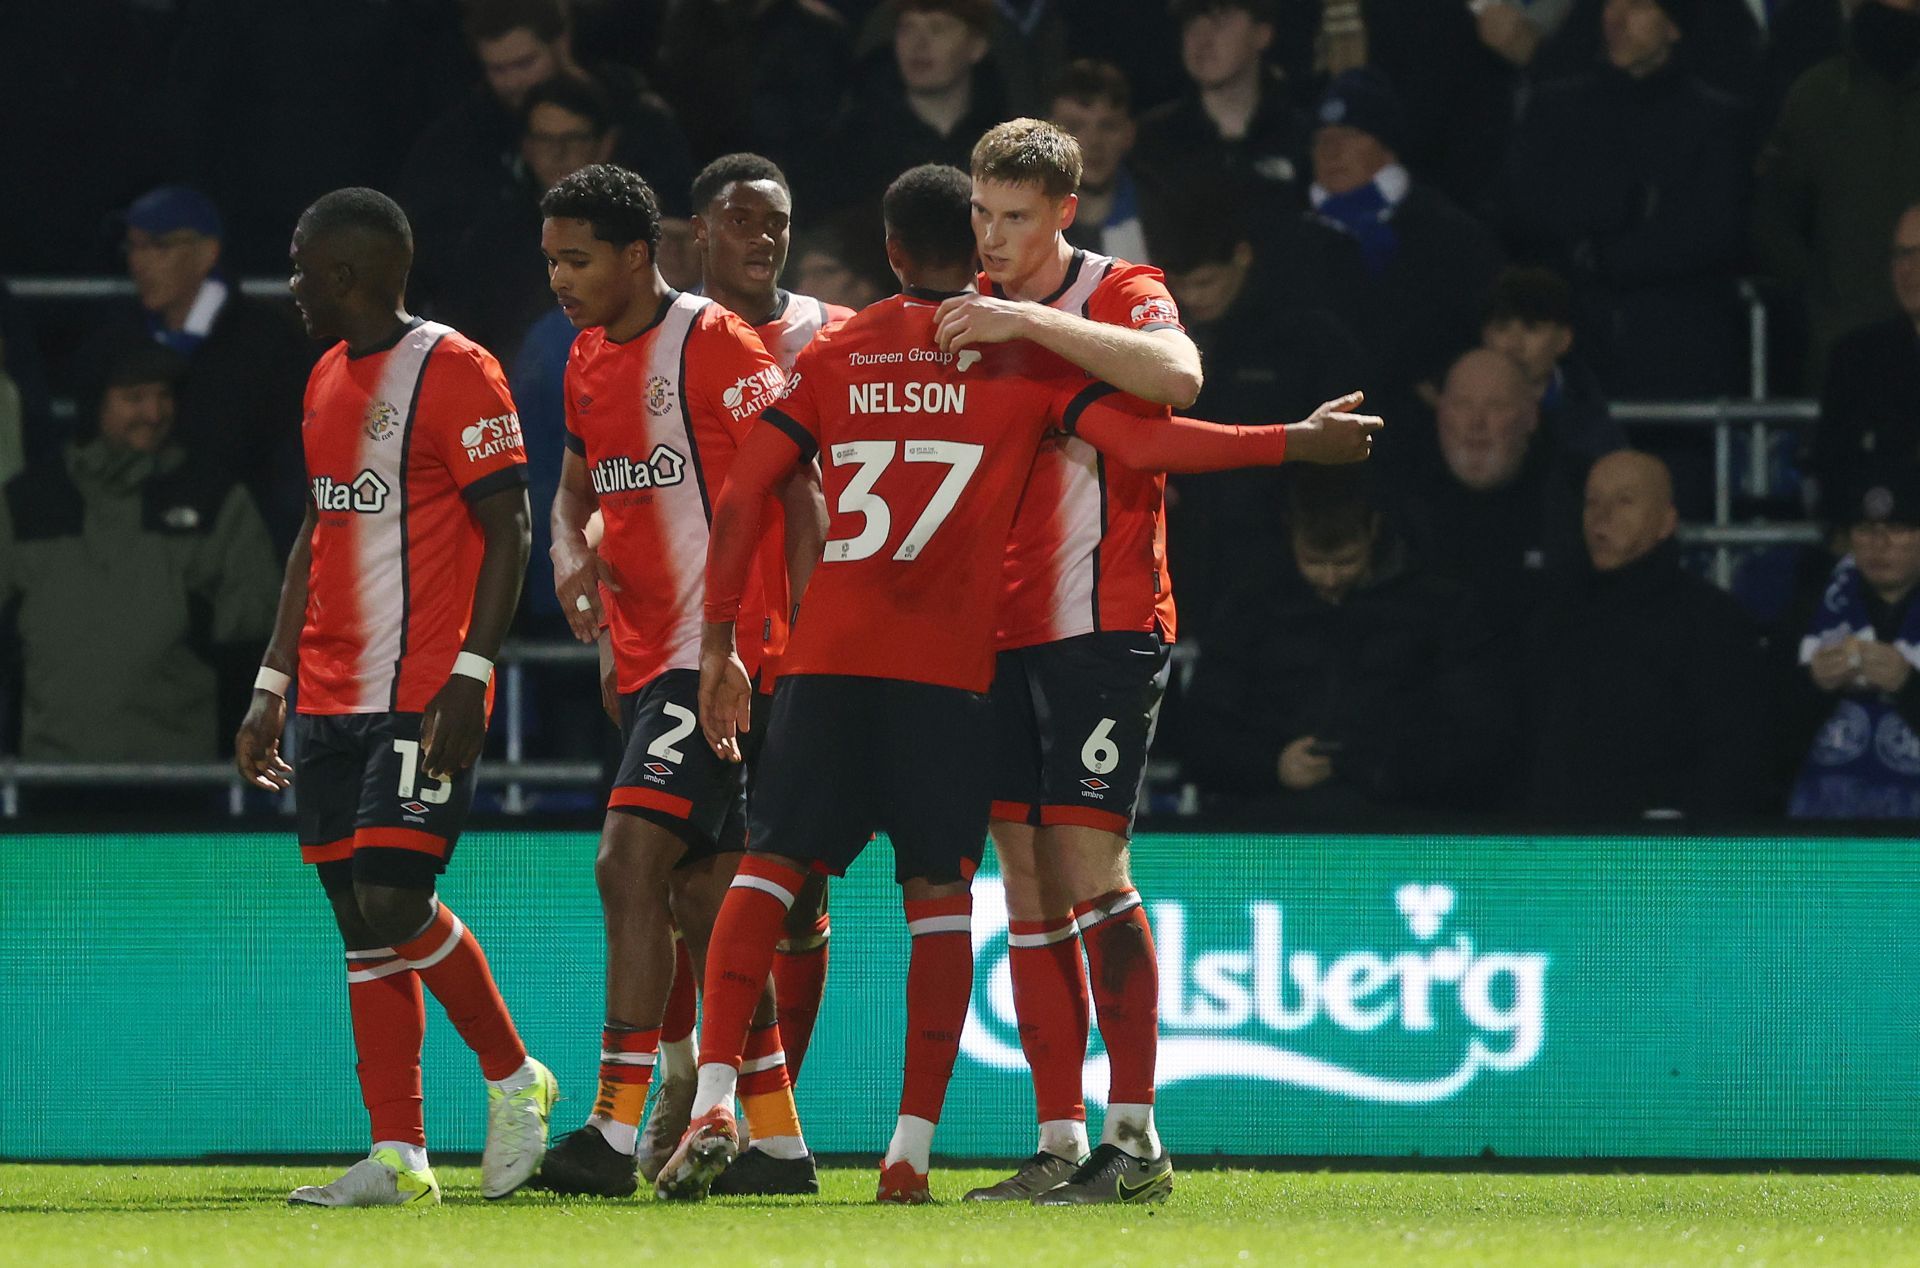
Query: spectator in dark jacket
[1870, 410]
[1631, 178]
[247, 359]
[1235, 125]
[1842, 164]
[1498, 510]
[1859, 695]
[930, 109]
[1347, 686]
[1645, 686]
[500, 288]
[1428, 262]
[1272, 354]
[1530, 320]
[470, 156]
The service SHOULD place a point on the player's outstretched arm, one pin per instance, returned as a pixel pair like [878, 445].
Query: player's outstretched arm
[455, 723]
[1153, 441]
[578, 569]
[256, 746]
[1161, 365]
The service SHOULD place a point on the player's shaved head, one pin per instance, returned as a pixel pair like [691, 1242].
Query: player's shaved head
[351, 252]
[364, 230]
[928, 212]
[731, 169]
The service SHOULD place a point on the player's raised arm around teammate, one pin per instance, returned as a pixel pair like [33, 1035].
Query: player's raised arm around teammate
[256, 747]
[1025, 174]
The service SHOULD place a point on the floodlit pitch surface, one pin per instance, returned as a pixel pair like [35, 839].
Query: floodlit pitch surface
[236, 1215]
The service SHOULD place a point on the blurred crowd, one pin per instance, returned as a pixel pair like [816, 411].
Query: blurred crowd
[1499, 217]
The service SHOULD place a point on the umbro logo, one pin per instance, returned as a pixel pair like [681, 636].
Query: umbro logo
[413, 807]
[660, 768]
[583, 403]
[1095, 785]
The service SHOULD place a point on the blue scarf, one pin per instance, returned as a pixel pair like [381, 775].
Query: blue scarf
[1367, 215]
[1865, 763]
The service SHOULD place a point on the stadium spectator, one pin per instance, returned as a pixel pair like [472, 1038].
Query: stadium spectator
[930, 110]
[1456, 92]
[766, 75]
[246, 359]
[1646, 693]
[1094, 102]
[1499, 511]
[1859, 698]
[470, 157]
[1723, 44]
[829, 264]
[1346, 686]
[1236, 121]
[1530, 319]
[144, 580]
[1842, 164]
[500, 287]
[1870, 408]
[1631, 178]
[1428, 260]
[1271, 354]
[1515, 30]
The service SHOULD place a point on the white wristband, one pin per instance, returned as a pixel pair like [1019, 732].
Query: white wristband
[473, 666]
[272, 681]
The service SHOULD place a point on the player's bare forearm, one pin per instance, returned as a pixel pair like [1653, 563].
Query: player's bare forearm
[806, 508]
[1162, 366]
[506, 526]
[578, 569]
[283, 649]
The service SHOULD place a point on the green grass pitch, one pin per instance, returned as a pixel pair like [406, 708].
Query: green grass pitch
[219, 1215]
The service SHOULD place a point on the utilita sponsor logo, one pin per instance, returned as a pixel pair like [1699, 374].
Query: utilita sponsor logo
[1442, 1010]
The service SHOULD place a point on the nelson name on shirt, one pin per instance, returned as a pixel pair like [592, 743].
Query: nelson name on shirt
[906, 398]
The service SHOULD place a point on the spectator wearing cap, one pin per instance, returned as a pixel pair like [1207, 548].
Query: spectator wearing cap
[1455, 90]
[1529, 319]
[1273, 352]
[1646, 691]
[1842, 164]
[1428, 262]
[1094, 102]
[240, 399]
[1235, 125]
[1859, 696]
[1630, 177]
[141, 581]
[1870, 408]
[1347, 686]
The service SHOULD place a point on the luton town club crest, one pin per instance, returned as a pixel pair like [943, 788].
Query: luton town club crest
[659, 395]
[383, 420]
